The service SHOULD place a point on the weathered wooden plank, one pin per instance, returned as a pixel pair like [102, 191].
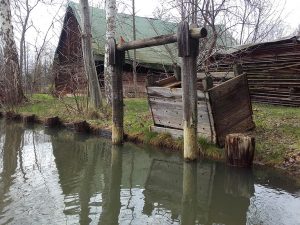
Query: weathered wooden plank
[172, 93]
[231, 107]
[178, 133]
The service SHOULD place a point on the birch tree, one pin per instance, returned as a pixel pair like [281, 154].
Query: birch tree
[10, 55]
[88, 58]
[111, 13]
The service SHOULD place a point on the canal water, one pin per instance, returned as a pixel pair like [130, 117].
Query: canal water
[58, 177]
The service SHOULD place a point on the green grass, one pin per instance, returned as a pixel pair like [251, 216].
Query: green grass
[277, 128]
[277, 132]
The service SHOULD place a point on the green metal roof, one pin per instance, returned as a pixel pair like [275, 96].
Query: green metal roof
[145, 27]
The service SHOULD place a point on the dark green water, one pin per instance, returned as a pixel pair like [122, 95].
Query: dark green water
[57, 177]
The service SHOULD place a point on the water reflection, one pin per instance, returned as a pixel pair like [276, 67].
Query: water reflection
[59, 177]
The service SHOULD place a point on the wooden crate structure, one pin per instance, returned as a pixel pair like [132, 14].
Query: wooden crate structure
[223, 109]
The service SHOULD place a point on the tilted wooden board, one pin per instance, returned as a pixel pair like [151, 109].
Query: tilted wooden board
[231, 107]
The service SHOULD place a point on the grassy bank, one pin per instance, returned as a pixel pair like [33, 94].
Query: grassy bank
[277, 128]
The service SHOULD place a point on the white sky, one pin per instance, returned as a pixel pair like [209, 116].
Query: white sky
[42, 16]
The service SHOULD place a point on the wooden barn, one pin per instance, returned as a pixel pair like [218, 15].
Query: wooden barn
[272, 68]
[222, 109]
[68, 64]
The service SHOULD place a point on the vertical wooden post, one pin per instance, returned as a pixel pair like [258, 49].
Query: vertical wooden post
[188, 50]
[237, 69]
[116, 59]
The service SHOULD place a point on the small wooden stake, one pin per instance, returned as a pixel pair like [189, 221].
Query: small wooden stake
[116, 59]
[188, 49]
[239, 150]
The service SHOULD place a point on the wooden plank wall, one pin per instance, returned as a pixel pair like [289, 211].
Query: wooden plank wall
[273, 71]
[231, 107]
[166, 107]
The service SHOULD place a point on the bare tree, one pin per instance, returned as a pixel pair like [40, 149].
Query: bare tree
[88, 58]
[111, 13]
[134, 51]
[10, 54]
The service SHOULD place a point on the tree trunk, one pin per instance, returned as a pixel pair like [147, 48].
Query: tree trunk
[12, 73]
[111, 12]
[88, 58]
[239, 150]
[134, 51]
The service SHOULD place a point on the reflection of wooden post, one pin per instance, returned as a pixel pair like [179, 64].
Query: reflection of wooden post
[116, 59]
[189, 195]
[239, 150]
[239, 182]
[188, 49]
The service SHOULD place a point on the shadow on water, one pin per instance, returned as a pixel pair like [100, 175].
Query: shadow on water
[104, 184]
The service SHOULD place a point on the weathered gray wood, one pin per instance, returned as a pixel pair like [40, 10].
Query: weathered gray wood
[117, 94]
[216, 74]
[160, 40]
[207, 83]
[237, 69]
[171, 93]
[188, 49]
[239, 150]
[167, 110]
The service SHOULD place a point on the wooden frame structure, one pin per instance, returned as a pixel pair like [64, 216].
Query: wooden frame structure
[222, 109]
[188, 45]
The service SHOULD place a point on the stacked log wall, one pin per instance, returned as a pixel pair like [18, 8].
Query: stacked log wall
[273, 71]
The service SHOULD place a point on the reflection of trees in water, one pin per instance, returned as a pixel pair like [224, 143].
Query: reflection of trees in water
[112, 204]
[95, 169]
[12, 144]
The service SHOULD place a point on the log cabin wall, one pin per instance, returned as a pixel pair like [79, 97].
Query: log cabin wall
[273, 70]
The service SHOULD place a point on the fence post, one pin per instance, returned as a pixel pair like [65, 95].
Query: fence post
[116, 60]
[188, 50]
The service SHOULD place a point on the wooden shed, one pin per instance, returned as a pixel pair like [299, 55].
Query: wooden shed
[223, 109]
[273, 69]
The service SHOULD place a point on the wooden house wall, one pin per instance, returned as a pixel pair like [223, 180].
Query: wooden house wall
[273, 71]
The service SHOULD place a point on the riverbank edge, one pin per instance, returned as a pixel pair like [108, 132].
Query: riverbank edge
[162, 141]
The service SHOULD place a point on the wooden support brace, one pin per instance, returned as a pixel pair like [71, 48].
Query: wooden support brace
[116, 60]
[188, 50]
[194, 33]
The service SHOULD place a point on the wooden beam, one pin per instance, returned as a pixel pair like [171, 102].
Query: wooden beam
[195, 33]
[116, 59]
[188, 50]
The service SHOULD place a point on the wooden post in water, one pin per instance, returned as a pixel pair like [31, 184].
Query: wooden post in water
[116, 59]
[239, 150]
[188, 50]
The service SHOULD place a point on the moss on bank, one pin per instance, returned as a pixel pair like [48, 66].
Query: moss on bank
[277, 128]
